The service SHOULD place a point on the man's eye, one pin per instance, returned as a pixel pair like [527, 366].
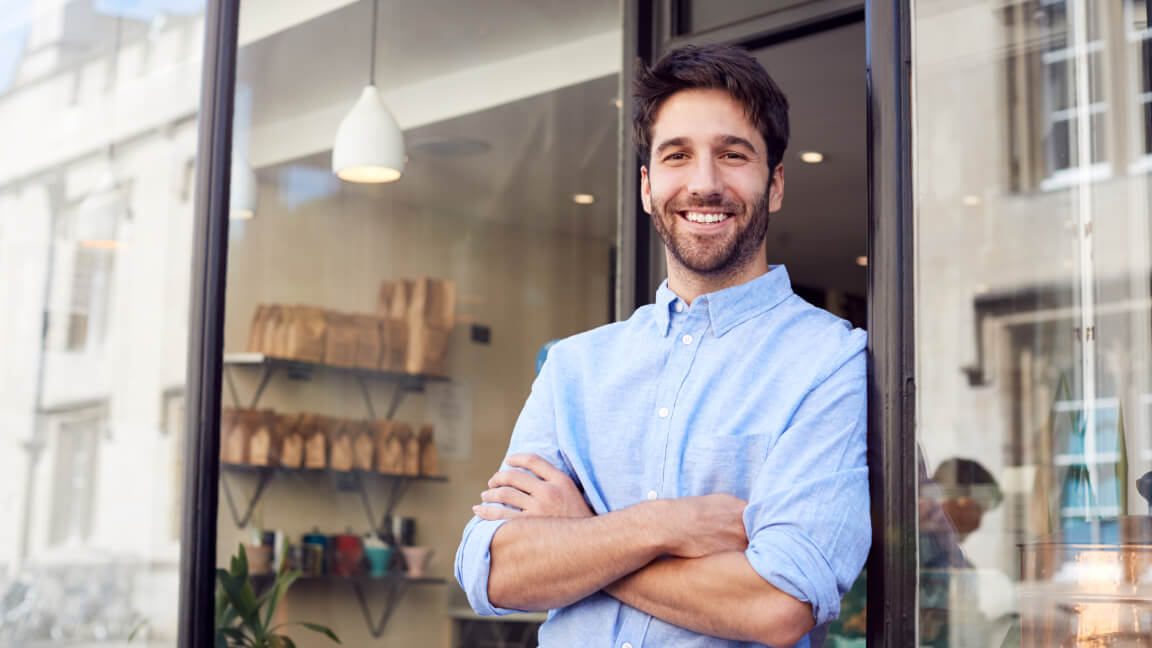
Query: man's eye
[676, 156]
[735, 156]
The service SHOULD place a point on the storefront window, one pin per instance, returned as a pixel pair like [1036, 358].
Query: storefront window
[98, 117]
[1033, 323]
[381, 337]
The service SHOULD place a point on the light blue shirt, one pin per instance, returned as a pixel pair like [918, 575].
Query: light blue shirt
[751, 391]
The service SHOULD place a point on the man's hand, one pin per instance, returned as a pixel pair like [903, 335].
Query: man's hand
[712, 524]
[540, 490]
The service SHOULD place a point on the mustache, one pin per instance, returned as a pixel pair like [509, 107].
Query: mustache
[717, 202]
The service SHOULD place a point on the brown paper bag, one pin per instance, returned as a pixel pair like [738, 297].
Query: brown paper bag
[364, 446]
[382, 435]
[393, 462]
[305, 334]
[341, 339]
[429, 453]
[291, 440]
[340, 445]
[315, 434]
[367, 341]
[273, 322]
[256, 332]
[262, 446]
[412, 455]
[234, 434]
[431, 316]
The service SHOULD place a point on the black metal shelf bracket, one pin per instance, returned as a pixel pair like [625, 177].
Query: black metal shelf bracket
[262, 483]
[396, 588]
[396, 486]
[266, 371]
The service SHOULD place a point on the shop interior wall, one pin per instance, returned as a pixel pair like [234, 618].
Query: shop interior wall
[527, 285]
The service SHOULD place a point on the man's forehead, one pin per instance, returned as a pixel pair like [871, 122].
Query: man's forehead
[703, 116]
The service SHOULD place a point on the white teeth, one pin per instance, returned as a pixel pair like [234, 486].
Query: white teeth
[702, 217]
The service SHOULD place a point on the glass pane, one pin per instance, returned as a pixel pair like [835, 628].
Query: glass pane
[98, 116]
[381, 337]
[707, 14]
[1033, 330]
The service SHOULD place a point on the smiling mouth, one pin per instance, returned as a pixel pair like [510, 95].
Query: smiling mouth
[705, 217]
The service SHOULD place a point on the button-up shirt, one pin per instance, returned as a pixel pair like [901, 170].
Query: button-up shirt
[749, 391]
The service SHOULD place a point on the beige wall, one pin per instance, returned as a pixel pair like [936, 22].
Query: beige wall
[528, 286]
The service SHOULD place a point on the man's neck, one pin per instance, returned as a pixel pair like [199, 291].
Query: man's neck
[688, 285]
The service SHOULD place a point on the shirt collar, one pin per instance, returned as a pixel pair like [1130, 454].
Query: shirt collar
[731, 306]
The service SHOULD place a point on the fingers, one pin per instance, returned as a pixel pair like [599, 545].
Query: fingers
[539, 466]
[507, 495]
[495, 512]
[518, 479]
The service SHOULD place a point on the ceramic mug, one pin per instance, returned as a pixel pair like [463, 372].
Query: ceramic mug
[416, 559]
[378, 560]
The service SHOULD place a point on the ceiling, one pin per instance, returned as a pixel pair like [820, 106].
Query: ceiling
[518, 165]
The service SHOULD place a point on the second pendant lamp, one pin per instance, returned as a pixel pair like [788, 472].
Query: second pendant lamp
[369, 144]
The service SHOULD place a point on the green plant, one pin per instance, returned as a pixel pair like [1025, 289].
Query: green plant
[245, 620]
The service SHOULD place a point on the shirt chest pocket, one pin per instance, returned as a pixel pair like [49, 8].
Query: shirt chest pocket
[724, 464]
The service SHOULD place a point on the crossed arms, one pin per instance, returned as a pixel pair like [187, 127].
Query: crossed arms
[681, 560]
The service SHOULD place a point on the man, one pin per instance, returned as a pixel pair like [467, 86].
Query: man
[696, 473]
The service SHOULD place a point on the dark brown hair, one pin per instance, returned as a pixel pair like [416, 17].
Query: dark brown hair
[711, 67]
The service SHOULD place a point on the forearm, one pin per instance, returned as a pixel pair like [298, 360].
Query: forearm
[719, 595]
[545, 563]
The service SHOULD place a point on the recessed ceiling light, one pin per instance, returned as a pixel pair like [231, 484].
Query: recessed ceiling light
[583, 199]
[812, 157]
[618, 103]
[971, 200]
[862, 261]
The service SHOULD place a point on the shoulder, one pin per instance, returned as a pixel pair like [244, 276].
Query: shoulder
[828, 341]
[604, 340]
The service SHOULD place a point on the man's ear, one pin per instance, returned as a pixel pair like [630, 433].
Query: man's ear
[645, 190]
[776, 190]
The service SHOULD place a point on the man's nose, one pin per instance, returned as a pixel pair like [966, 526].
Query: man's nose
[705, 180]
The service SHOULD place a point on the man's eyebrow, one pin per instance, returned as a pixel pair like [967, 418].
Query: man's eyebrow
[736, 140]
[670, 143]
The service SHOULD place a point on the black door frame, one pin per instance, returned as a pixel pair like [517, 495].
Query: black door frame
[206, 327]
[656, 26]
[649, 27]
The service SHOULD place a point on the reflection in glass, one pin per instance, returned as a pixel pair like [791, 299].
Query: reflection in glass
[1034, 329]
[98, 106]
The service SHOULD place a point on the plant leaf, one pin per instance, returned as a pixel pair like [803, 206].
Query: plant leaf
[238, 636]
[243, 599]
[316, 627]
[284, 580]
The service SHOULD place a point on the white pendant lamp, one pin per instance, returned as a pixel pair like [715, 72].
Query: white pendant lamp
[369, 145]
[242, 189]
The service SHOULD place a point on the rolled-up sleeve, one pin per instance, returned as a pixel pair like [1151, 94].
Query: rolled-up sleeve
[808, 514]
[535, 432]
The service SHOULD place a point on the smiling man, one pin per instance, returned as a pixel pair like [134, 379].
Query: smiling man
[695, 475]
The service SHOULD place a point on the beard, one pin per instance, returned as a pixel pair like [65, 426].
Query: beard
[713, 255]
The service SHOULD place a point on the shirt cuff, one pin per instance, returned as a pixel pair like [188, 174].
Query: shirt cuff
[791, 563]
[473, 563]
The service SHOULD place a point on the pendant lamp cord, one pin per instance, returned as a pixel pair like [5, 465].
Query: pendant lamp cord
[372, 61]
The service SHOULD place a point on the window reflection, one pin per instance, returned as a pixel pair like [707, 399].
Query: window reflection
[1034, 327]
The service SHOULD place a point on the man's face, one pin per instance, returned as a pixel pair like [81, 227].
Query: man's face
[706, 185]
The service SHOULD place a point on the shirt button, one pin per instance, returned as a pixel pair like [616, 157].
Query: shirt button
[687, 339]
[652, 495]
[626, 645]
[679, 307]
[663, 413]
